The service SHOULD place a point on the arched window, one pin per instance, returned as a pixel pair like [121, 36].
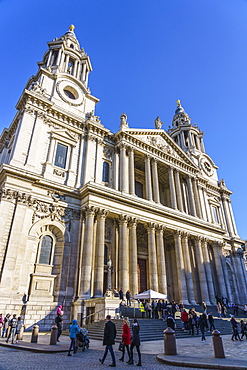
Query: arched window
[106, 172]
[46, 250]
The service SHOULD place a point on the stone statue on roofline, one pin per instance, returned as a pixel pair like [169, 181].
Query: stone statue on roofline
[158, 123]
[123, 121]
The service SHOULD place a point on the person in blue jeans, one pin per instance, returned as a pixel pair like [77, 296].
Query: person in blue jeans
[109, 339]
[73, 329]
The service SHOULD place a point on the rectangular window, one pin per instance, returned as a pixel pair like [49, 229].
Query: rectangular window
[61, 155]
[215, 215]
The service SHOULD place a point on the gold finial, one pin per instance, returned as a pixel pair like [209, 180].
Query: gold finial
[178, 103]
[71, 28]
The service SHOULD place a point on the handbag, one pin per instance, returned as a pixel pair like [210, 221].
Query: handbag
[121, 346]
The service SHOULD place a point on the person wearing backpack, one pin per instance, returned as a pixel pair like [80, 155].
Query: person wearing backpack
[13, 325]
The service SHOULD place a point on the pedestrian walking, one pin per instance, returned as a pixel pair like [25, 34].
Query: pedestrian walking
[243, 328]
[121, 294]
[59, 323]
[109, 339]
[135, 343]
[73, 330]
[211, 321]
[125, 338]
[127, 295]
[202, 325]
[5, 325]
[18, 327]
[234, 324]
[13, 324]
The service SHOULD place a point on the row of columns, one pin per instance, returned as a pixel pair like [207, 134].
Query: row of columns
[124, 165]
[188, 258]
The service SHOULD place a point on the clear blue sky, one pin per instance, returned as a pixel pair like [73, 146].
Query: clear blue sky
[145, 56]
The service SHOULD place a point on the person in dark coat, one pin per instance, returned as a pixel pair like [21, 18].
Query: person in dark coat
[211, 321]
[109, 339]
[59, 323]
[170, 321]
[120, 294]
[202, 325]
[234, 324]
[135, 343]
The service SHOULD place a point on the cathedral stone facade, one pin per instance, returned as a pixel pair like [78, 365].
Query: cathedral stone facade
[75, 195]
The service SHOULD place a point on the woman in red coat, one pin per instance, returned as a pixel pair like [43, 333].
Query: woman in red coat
[126, 337]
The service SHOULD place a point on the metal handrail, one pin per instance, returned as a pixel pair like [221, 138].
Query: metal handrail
[86, 318]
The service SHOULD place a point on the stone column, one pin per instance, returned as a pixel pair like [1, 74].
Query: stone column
[131, 172]
[87, 254]
[133, 272]
[181, 283]
[188, 268]
[197, 200]
[179, 191]
[201, 271]
[238, 255]
[99, 255]
[114, 253]
[191, 197]
[123, 169]
[202, 201]
[155, 181]
[219, 270]
[98, 161]
[208, 271]
[152, 259]
[116, 169]
[232, 218]
[225, 271]
[148, 178]
[172, 188]
[123, 254]
[227, 215]
[161, 259]
[79, 256]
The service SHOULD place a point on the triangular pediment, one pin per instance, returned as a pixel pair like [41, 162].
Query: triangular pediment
[161, 141]
[65, 136]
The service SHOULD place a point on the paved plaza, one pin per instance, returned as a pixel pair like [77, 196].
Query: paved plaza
[191, 351]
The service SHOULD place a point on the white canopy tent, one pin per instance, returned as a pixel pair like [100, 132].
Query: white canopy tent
[150, 294]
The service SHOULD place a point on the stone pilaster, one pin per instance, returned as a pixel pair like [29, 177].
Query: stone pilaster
[124, 186]
[99, 255]
[191, 197]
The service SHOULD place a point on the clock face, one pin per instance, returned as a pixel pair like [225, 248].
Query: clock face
[207, 166]
[70, 92]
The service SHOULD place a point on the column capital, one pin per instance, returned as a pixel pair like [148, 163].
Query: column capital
[185, 234]
[160, 227]
[178, 233]
[150, 226]
[101, 213]
[90, 211]
[198, 239]
[133, 221]
[123, 219]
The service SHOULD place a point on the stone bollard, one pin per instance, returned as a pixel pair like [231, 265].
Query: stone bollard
[218, 345]
[35, 332]
[20, 335]
[170, 342]
[53, 339]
